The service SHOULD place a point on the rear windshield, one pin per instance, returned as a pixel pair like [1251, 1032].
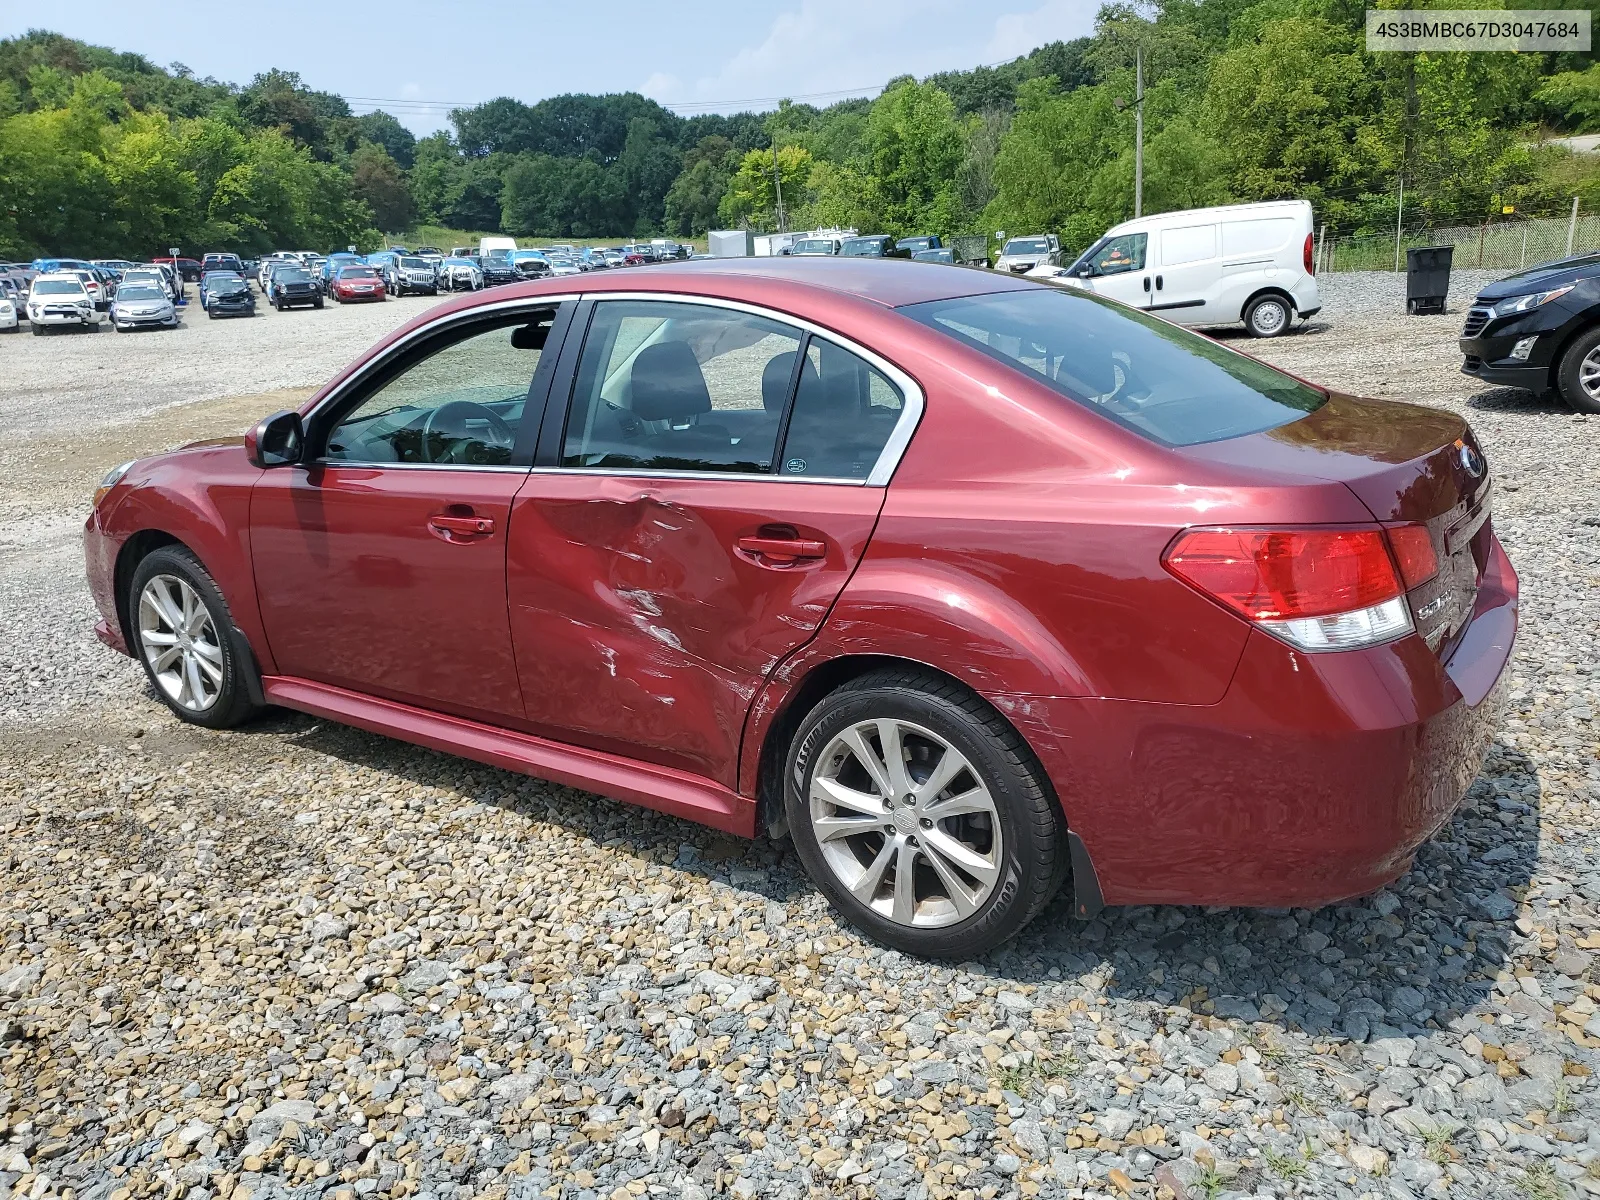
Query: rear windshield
[1170, 385]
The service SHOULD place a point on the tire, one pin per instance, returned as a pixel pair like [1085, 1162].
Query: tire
[38, 330]
[1008, 843]
[1268, 316]
[278, 304]
[317, 303]
[1572, 374]
[211, 314]
[205, 684]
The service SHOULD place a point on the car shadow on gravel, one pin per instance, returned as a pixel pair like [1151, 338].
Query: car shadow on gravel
[1520, 402]
[1416, 955]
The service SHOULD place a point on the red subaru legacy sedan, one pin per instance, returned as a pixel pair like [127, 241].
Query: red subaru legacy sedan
[973, 584]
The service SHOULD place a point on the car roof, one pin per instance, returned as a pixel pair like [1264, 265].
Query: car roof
[889, 282]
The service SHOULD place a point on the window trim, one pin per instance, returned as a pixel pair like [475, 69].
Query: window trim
[327, 408]
[894, 447]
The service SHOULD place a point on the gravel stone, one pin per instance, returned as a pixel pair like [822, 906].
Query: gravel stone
[299, 960]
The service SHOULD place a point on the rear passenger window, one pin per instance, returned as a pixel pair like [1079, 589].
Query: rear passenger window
[684, 387]
[844, 411]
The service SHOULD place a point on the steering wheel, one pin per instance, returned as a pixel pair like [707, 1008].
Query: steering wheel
[451, 419]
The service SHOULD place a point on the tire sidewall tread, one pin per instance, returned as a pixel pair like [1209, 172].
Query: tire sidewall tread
[1034, 851]
[1567, 385]
[233, 705]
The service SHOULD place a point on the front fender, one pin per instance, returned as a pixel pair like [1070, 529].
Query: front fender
[201, 497]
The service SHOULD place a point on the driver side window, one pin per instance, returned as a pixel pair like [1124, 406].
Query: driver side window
[1125, 253]
[460, 405]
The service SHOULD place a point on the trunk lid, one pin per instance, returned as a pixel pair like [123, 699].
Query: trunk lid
[1408, 465]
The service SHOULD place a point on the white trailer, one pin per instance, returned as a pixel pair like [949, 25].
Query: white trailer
[732, 243]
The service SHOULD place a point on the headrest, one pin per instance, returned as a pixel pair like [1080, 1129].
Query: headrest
[668, 384]
[775, 379]
[531, 336]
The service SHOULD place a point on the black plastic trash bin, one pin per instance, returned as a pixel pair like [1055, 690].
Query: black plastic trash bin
[1427, 278]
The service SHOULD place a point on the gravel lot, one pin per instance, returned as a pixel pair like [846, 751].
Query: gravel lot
[298, 959]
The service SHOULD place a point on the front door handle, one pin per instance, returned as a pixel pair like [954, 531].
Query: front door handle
[457, 528]
[782, 549]
[1147, 283]
[1158, 283]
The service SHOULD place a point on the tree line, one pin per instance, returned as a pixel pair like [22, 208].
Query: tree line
[103, 153]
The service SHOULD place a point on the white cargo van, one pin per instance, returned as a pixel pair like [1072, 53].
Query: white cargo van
[1209, 266]
[485, 245]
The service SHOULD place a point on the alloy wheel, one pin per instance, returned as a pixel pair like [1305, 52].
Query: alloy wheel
[905, 823]
[180, 642]
[1589, 374]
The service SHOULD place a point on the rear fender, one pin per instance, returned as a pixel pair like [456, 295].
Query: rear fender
[957, 624]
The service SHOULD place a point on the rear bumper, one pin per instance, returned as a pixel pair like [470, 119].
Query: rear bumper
[1313, 780]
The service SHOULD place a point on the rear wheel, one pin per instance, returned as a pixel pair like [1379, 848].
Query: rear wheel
[1268, 316]
[1578, 377]
[183, 634]
[922, 815]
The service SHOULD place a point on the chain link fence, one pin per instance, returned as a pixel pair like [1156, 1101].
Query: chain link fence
[1508, 245]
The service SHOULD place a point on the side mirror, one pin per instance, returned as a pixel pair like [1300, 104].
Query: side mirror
[277, 441]
[1084, 271]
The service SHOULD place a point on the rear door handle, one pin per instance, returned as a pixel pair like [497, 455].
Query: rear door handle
[782, 548]
[460, 528]
[1158, 283]
[1147, 283]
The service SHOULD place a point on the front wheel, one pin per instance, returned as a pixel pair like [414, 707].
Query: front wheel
[922, 815]
[1268, 316]
[183, 634]
[1578, 377]
[317, 303]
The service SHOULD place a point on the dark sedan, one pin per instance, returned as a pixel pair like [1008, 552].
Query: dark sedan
[1540, 330]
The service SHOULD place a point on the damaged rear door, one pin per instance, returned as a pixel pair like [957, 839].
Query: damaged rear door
[714, 483]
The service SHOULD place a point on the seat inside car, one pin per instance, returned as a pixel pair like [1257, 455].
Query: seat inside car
[667, 385]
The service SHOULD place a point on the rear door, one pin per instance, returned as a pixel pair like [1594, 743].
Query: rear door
[1187, 272]
[690, 523]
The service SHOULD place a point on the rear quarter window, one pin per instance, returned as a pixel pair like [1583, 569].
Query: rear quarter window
[1157, 379]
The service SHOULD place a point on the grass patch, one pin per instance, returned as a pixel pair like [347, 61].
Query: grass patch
[1562, 1104]
[1439, 1141]
[1209, 1184]
[1539, 1182]
[1289, 1166]
[1300, 1102]
[1037, 1074]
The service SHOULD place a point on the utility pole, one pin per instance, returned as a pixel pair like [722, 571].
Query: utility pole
[1399, 216]
[1572, 226]
[777, 183]
[1138, 130]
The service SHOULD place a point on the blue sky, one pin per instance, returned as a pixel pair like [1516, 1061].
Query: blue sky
[417, 59]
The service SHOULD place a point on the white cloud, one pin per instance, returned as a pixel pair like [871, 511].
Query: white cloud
[1056, 20]
[828, 46]
[821, 51]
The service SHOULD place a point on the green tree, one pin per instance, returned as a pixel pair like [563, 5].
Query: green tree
[751, 197]
[914, 148]
[376, 178]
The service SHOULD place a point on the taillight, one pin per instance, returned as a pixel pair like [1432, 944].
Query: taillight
[1317, 589]
[1310, 258]
[1414, 554]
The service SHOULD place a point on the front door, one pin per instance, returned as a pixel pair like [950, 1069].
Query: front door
[692, 524]
[1120, 270]
[381, 565]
